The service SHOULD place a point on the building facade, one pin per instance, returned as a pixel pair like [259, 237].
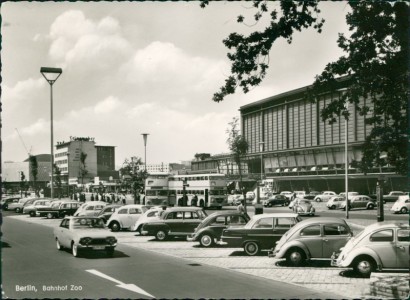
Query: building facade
[80, 160]
[289, 143]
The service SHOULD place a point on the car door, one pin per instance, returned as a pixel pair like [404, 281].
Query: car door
[382, 243]
[134, 215]
[402, 248]
[63, 233]
[218, 224]
[175, 221]
[264, 233]
[97, 209]
[312, 238]
[191, 221]
[335, 236]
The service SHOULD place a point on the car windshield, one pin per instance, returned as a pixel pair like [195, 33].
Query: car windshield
[87, 223]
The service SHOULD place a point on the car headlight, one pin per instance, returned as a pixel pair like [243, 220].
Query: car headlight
[111, 240]
[85, 241]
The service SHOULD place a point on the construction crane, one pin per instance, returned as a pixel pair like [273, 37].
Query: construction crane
[21, 139]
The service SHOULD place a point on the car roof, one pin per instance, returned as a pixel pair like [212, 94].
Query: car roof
[321, 220]
[383, 225]
[284, 215]
[183, 208]
[226, 213]
[81, 217]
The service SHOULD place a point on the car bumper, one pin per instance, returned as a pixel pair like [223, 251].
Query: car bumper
[96, 247]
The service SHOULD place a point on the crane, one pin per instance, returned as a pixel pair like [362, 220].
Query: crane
[21, 139]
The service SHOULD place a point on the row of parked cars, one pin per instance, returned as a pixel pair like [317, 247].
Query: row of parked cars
[286, 235]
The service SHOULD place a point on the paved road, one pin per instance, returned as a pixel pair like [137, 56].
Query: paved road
[33, 268]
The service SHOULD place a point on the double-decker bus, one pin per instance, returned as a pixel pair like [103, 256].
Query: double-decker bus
[204, 190]
[156, 189]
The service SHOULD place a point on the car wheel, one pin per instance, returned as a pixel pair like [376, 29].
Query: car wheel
[49, 215]
[251, 248]
[370, 206]
[206, 240]
[318, 200]
[295, 257]
[59, 247]
[161, 235]
[403, 210]
[364, 266]
[18, 209]
[287, 203]
[269, 204]
[115, 226]
[110, 252]
[74, 250]
[333, 207]
[32, 214]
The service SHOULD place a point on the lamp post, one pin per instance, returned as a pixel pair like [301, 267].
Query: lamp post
[346, 167]
[145, 136]
[261, 144]
[51, 75]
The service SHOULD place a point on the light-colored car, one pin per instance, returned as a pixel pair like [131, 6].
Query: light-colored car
[92, 208]
[6, 201]
[360, 201]
[304, 207]
[126, 216]
[351, 194]
[250, 195]
[299, 194]
[287, 194]
[379, 246]
[18, 206]
[334, 202]
[151, 215]
[32, 208]
[402, 205]
[316, 238]
[84, 233]
[324, 196]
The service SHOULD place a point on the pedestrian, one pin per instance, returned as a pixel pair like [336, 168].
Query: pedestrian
[194, 200]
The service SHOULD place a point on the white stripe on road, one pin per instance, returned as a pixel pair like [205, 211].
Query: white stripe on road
[131, 287]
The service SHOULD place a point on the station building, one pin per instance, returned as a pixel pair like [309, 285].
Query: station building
[290, 144]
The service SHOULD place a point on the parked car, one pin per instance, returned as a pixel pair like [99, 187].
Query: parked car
[312, 195]
[261, 232]
[58, 209]
[288, 195]
[310, 239]
[107, 211]
[379, 246]
[324, 196]
[126, 216]
[84, 233]
[360, 201]
[394, 196]
[402, 205]
[299, 194]
[351, 194]
[32, 208]
[209, 231]
[250, 195]
[18, 206]
[6, 201]
[335, 202]
[276, 200]
[304, 207]
[175, 221]
[151, 215]
[91, 208]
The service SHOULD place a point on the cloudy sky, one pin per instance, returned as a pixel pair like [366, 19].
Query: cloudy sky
[138, 67]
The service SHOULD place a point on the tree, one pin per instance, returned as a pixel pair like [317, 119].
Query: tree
[34, 171]
[376, 63]
[57, 179]
[202, 156]
[83, 167]
[134, 179]
[239, 147]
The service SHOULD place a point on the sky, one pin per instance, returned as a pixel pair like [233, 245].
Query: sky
[139, 67]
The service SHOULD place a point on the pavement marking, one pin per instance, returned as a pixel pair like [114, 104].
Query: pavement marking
[131, 287]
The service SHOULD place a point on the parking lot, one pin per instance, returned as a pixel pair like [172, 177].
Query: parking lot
[316, 275]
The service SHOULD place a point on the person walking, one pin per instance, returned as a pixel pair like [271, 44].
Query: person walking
[241, 208]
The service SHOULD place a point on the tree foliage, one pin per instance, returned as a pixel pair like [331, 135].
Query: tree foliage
[239, 147]
[202, 156]
[135, 175]
[34, 170]
[375, 61]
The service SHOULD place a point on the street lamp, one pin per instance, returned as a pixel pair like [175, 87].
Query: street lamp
[261, 144]
[346, 166]
[51, 75]
[145, 135]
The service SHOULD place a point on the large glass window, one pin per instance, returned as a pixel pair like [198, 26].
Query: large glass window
[264, 223]
[403, 235]
[335, 229]
[313, 230]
